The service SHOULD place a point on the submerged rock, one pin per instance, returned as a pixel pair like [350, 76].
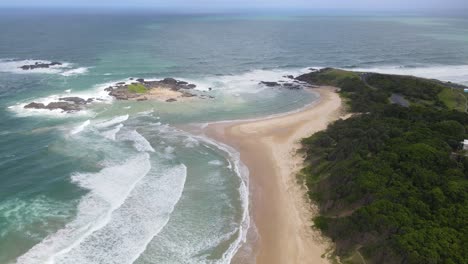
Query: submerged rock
[270, 84]
[39, 65]
[292, 86]
[171, 100]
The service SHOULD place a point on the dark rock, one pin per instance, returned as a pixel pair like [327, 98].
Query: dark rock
[191, 86]
[182, 83]
[120, 83]
[131, 79]
[209, 89]
[141, 80]
[289, 76]
[142, 98]
[35, 105]
[170, 81]
[270, 84]
[109, 89]
[119, 95]
[67, 107]
[171, 100]
[90, 100]
[37, 65]
[185, 94]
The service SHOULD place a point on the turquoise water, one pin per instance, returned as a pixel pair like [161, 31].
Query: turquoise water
[120, 183]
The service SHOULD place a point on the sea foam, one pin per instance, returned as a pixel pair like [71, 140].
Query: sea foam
[80, 128]
[132, 226]
[66, 69]
[139, 142]
[111, 133]
[111, 122]
[246, 82]
[108, 189]
[453, 73]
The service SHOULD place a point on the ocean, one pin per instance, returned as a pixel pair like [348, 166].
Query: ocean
[123, 182]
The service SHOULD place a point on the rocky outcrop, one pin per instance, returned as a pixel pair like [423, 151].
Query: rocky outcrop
[270, 84]
[283, 84]
[39, 65]
[122, 91]
[67, 107]
[66, 104]
[35, 105]
[292, 86]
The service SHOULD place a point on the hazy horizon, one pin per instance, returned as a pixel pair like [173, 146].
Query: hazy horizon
[226, 5]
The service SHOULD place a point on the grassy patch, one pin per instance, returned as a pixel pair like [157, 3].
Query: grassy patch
[354, 258]
[137, 88]
[330, 76]
[453, 98]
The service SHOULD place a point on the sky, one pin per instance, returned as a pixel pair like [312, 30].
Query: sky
[246, 4]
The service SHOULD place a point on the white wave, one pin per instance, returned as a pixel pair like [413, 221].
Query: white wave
[111, 122]
[146, 113]
[243, 172]
[216, 162]
[110, 134]
[169, 150]
[80, 128]
[139, 142]
[141, 217]
[109, 188]
[76, 71]
[20, 111]
[247, 82]
[190, 142]
[13, 66]
[97, 93]
[452, 73]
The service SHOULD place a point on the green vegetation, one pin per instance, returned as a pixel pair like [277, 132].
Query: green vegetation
[137, 88]
[391, 182]
[453, 98]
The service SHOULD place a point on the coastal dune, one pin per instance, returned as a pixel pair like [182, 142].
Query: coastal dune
[281, 211]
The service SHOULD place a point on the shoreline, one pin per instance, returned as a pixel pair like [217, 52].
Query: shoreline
[280, 211]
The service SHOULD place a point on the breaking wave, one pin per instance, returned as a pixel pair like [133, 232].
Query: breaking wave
[65, 69]
[452, 73]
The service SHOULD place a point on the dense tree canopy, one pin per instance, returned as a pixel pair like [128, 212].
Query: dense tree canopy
[391, 182]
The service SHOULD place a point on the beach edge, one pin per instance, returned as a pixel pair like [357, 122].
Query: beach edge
[281, 211]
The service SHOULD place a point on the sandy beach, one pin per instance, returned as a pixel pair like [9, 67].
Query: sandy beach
[281, 211]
